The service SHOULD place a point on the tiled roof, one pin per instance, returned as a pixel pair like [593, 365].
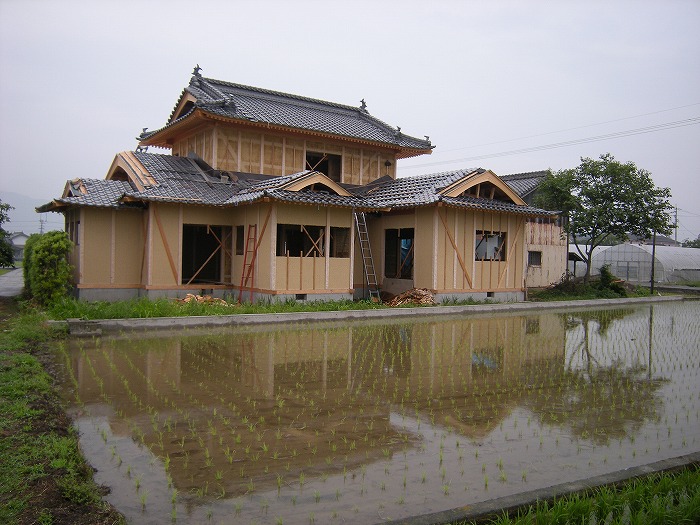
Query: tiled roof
[184, 180]
[412, 191]
[253, 104]
[524, 183]
[98, 193]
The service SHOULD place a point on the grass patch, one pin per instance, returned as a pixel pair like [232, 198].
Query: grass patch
[146, 308]
[656, 499]
[43, 476]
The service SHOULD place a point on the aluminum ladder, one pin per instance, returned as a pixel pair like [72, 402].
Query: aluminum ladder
[366, 251]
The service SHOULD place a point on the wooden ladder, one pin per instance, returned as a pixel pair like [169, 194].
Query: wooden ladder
[366, 251]
[251, 252]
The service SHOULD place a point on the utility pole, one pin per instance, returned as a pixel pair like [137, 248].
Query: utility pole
[675, 226]
[41, 224]
[653, 259]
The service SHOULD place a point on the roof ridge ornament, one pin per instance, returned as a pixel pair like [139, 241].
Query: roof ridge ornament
[363, 106]
[141, 148]
[196, 79]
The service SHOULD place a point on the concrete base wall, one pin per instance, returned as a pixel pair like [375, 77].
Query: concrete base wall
[106, 294]
[125, 294]
[496, 297]
[281, 298]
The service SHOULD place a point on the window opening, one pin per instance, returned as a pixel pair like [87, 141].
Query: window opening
[326, 163]
[398, 253]
[240, 240]
[205, 255]
[340, 242]
[490, 246]
[298, 240]
[534, 258]
[73, 229]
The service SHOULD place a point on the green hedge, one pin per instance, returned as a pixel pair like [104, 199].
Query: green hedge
[47, 274]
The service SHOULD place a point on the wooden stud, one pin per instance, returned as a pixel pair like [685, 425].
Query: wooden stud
[173, 268]
[515, 240]
[454, 247]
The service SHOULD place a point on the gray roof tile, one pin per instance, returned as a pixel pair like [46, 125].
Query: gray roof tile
[100, 193]
[182, 180]
[417, 190]
[237, 101]
[524, 183]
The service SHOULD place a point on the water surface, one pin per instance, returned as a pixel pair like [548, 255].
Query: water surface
[363, 422]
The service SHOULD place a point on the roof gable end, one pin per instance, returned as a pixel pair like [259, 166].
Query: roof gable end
[482, 184]
[126, 167]
[312, 179]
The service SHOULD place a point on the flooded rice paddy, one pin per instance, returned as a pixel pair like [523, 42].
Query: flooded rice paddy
[366, 422]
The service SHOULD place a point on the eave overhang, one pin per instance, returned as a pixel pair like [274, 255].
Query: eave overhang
[198, 118]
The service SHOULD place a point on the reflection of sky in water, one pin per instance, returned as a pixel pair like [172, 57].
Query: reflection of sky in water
[363, 422]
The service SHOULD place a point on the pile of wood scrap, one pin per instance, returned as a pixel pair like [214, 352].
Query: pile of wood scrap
[417, 296]
[202, 299]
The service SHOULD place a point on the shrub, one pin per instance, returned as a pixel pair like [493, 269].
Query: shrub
[49, 271]
[609, 284]
[27, 262]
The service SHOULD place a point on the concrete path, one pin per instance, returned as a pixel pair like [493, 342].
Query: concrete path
[11, 283]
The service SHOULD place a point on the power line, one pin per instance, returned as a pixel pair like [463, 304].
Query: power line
[572, 129]
[689, 212]
[627, 133]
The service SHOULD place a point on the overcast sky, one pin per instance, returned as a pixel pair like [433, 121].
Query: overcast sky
[508, 86]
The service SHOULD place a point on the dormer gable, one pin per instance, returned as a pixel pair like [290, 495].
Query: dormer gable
[482, 184]
[126, 167]
[74, 188]
[315, 181]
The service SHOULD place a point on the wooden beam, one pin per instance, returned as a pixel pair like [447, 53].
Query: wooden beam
[454, 247]
[512, 246]
[173, 267]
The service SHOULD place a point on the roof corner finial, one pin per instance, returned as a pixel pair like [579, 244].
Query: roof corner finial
[427, 138]
[398, 130]
[140, 147]
[196, 71]
[363, 105]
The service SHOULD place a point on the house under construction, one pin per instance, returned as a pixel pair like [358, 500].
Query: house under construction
[272, 195]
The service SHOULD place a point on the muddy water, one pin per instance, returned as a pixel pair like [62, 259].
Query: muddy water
[361, 423]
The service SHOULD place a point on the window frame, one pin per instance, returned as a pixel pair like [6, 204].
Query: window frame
[495, 244]
[531, 255]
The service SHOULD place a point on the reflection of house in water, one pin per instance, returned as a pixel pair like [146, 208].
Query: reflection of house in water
[462, 373]
[317, 399]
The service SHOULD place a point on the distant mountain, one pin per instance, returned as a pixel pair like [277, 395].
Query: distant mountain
[24, 218]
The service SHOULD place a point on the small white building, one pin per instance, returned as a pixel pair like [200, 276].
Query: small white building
[18, 240]
[632, 263]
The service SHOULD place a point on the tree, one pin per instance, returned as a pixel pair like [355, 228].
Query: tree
[6, 256]
[603, 198]
[695, 243]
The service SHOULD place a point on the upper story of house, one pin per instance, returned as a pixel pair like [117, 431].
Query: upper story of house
[245, 129]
